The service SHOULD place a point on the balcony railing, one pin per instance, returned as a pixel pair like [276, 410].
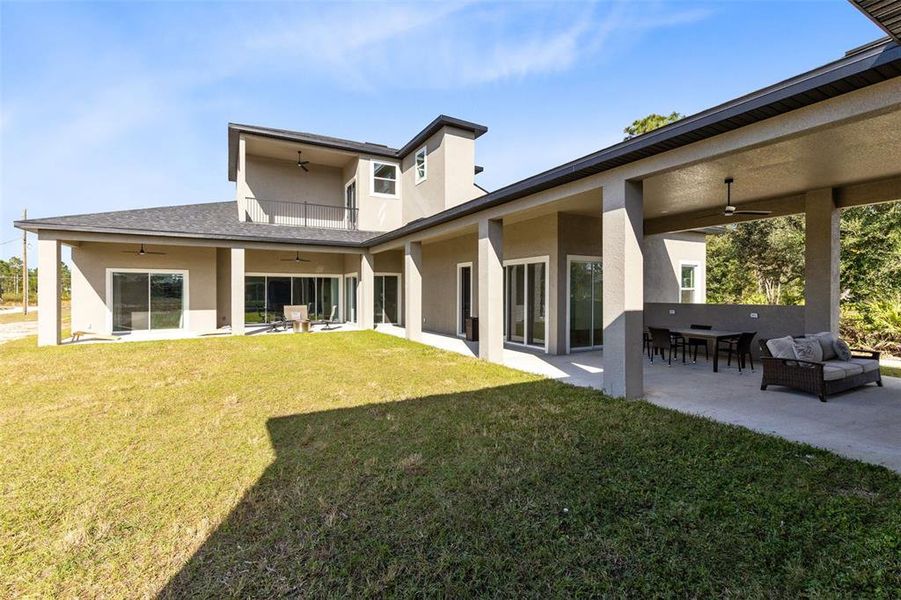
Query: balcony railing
[300, 214]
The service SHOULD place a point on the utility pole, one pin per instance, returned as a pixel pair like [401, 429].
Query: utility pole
[25, 265]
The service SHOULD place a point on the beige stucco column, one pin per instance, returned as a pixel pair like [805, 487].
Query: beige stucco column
[237, 291]
[491, 290]
[822, 293]
[49, 310]
[623, 294]
[366, 287]
[413, 290]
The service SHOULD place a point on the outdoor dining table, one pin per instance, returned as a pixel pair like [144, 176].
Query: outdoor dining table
[709, 334]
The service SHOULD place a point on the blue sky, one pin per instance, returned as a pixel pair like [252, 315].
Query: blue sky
[123, 105]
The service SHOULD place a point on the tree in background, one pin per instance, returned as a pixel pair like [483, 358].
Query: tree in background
[11, 281]
[650, 123]
[762, 262]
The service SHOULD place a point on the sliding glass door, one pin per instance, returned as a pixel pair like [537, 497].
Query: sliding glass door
[143, 301]
[586, 325]
[265, 296]
[350, 298]
[464, 296]
[525, 303]
[386, 303]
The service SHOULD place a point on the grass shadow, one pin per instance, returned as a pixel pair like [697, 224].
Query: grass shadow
[540, 489]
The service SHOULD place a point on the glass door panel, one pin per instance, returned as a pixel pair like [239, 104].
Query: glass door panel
[465, 297]
[254, 299]
[327, 296]
[131, 307]
[379, 299]
[516, 303]
[536, 298]
[350, 299]
[278, 294]
[580, 305]
[597, 284]
[391, 299]
[166, 301]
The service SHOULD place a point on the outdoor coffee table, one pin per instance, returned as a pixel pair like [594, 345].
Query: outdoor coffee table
[709, 334]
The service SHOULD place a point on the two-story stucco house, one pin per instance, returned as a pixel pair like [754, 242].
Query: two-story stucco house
[563, 260]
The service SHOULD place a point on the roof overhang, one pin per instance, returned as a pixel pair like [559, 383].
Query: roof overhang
[873, 64]
[884, 13]
[366, 148]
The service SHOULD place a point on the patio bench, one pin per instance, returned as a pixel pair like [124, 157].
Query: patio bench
[822, 378]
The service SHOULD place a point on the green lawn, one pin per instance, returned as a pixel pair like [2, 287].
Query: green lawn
[355, 464]
[890, 371]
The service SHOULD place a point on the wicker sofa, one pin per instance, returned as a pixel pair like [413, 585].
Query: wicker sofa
[829, 376]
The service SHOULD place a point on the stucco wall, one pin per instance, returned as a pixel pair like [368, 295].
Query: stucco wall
[377, 213]
[439, 282]
[271, 179]
[90, 261]
[663, 255]
[772, 321]
[427, 197]
[268, 261]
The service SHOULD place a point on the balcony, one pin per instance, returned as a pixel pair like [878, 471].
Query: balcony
[300, 214]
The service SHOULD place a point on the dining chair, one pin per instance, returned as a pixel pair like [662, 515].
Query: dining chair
[741, 346]
[695, 343]
[661, 341]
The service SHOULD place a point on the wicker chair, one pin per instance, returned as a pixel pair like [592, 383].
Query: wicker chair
[695, 343]
[662, 340]
[809, 376]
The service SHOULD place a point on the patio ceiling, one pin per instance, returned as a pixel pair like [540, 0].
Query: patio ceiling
[841, 155]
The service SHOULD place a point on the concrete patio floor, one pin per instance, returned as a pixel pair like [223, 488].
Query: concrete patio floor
[863, 424]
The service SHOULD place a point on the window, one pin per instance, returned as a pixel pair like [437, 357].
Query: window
[687, 283]
[384, 179]
[420, 165]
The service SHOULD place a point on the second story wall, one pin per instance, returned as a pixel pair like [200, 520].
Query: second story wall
[377, 212]
[283, 181]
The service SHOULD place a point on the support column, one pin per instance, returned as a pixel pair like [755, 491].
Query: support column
[822, 293]
[623, 231]
[366, 286]
[49, 309]
[491, 290]
[237, 291]
[413, 290]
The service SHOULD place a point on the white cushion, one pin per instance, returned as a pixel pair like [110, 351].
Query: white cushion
[849, 368]
[826, 339]
[867, 364]
[831, 373]
[781, 347]
[808, 349]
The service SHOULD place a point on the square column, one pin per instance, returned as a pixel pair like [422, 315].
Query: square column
[623, 295]
[822, 293]
[366, 299]
[413, 290]
[237, 291]
[491, 290]
[49, 308]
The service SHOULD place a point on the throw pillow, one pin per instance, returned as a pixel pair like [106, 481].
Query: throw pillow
[781, 347]
[826, 339]
[842, 351]
[808, 349]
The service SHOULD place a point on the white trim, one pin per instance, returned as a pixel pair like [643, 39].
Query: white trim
[546, 259]
[372, 192]
[400, 295]
[571, 258]
[694, 290]
[461, 332]
[185, 304]
[425, 165]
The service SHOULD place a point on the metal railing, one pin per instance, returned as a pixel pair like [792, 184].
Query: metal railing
[300, 214]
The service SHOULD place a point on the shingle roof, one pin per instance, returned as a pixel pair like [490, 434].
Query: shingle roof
[213, 220]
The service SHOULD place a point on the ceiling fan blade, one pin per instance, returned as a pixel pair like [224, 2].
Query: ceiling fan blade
[156, 253]
[304, 167]
[753, 212]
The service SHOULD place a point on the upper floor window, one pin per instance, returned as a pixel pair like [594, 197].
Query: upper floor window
[687, 283]
[420, 165]
[384, 178]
